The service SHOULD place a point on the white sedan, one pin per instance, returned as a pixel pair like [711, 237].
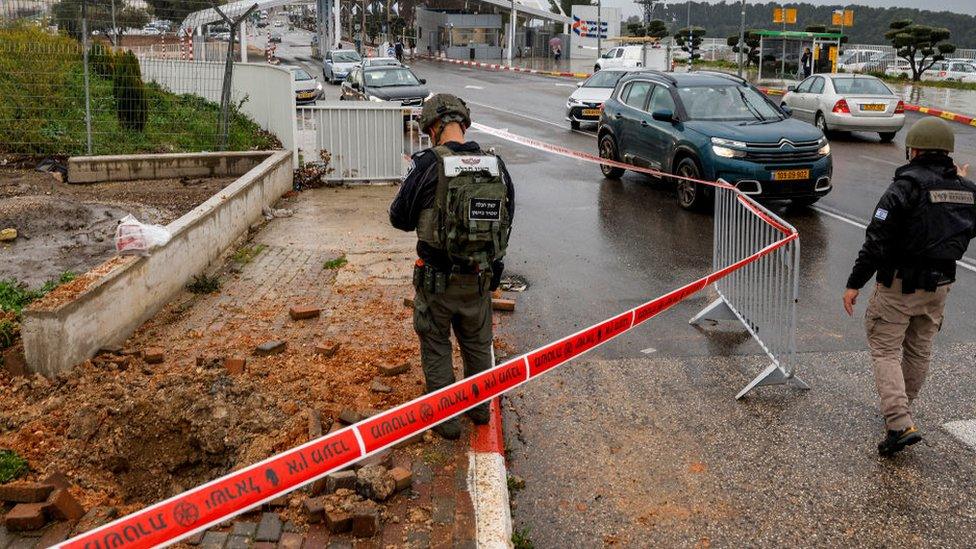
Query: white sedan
[847, 102]
[584, 104]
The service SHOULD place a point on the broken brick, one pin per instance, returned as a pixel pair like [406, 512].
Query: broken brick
[340, 480]
[326, 350]
[402, 477]
[25, 492]
[304, 312]
[235, 365]
[57, 479]
[314, 510]
[338, 521]
[270, 348]
[503, 304]
[387, 370]
[365, 522]
[63, 506]
[25, 516]
[349, 417]
[379, 387]
[153, 355]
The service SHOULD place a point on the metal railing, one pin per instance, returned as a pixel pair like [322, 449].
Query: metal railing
[762, 295]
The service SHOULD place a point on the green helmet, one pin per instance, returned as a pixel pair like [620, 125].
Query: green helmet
[445, 107]
[931, 134]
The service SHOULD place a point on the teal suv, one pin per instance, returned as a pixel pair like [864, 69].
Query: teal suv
[711, 125]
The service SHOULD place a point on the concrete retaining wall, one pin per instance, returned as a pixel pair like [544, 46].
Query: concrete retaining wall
[114, 305]
[92, 169]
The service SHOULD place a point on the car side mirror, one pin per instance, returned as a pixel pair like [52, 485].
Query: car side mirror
[786, 110]
[580, 84]
[423, 80]
[791, 88]
[664, 115]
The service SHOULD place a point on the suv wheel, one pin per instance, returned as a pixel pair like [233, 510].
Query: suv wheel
[691, 196]
[608, 150]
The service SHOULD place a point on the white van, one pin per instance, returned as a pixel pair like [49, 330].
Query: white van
[651, 56]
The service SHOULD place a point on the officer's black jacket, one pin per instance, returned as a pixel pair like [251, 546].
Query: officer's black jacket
[918, 229]
[417, 193]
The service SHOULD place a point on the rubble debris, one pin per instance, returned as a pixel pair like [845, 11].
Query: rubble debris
[25, 516]
[387, 370]
[57, 480]
[340, 480]
[513, 283]
[270, 213]
[350, 417]
[25, 492]
[14, 361]
[503, 304]
[375, 482]
[61, 505]
[153, 355]
[327, 350]
[304, 312]
[56, 533]
[365, 521]
[379, 387]
[314, 510]
[337, 521]
[270, 348]
[235, 365]
[314, 424]
[95, 517]
[8, 235]
[402, 477]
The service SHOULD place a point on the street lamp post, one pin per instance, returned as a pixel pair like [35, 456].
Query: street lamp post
[742, 35]
[599, 28]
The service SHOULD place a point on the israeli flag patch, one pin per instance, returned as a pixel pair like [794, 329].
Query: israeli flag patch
[881, 214]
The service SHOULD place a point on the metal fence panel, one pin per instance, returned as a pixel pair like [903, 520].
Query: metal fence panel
[366, 140]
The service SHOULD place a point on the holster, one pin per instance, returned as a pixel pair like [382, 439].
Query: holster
[428, 279]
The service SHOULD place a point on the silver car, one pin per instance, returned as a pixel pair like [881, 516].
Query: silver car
[338, 63]
[584, 103]
[847, 102]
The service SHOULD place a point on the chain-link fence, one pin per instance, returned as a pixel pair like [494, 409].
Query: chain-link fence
[72, 79]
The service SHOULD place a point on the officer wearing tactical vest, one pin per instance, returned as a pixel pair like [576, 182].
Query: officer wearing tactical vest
[921, 226]
[461, 201]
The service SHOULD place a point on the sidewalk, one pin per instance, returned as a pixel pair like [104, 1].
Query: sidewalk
[240, 379]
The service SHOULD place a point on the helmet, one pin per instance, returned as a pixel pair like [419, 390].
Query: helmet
[445, 107]
[931, 134]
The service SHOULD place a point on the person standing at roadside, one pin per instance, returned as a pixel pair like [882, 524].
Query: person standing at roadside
[921, 226]
[461, 202]
[806, 62]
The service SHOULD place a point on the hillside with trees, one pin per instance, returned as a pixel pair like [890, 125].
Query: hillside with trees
[870, 24]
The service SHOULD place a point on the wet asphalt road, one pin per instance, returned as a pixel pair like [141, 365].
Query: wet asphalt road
[641, 443]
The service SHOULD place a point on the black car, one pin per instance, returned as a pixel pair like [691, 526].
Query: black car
[385, 83]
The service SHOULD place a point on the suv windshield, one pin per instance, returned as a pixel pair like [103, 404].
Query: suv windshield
[727, 103]
[604, 79]
[861, 85]
[385, 78]
[346, 57]
[300, 74]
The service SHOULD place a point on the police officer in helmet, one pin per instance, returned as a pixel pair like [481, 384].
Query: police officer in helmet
[922, 225]
[461, 202]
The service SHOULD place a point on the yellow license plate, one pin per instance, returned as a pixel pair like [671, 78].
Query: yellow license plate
[591, 112]
[877, 107]
[306, 94]
[790, 175]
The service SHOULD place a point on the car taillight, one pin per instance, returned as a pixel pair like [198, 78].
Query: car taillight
[900, 108]
[841, 107]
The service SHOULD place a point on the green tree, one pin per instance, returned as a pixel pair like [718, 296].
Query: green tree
[750, 49]
[921, 45]
[67, 15]
[131, 106]
[690, 39]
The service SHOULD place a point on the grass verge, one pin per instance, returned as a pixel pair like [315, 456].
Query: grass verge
[14, 297]
[12, 466]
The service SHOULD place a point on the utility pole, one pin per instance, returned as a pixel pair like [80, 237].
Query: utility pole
[599, 28]
[691, 38]
[742, 35]
[84, 50]
[224, 120]
[511, 33]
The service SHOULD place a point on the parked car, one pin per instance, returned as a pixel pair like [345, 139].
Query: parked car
[585, 103]
[707, 125]
[307, 87]
[338, 63]
[900, 69]
[952, 70]
[633, 57]
[276, 36]
[398, 84]
[847, 102]
[381, 62]
[855, 60]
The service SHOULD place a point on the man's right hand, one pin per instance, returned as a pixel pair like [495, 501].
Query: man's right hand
[850, 299]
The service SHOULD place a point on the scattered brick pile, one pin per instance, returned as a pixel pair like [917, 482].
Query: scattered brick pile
[44, 513]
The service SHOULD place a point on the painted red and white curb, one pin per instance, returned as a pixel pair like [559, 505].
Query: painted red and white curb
[488, 482]
[204, 506]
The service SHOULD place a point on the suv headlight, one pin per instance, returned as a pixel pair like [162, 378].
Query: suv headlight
[728, 148]
[824, 147]
[573, 102]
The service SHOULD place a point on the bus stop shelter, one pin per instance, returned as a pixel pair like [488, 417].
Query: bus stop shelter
[788, 46]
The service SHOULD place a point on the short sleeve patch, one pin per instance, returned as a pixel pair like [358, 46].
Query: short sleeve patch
[881, 214]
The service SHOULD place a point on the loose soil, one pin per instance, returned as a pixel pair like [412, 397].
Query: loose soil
[72, 227]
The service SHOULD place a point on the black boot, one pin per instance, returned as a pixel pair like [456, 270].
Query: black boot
[896, 441]
[480, 414]
[450, 429]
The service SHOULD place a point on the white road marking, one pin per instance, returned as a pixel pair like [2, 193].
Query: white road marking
[470, 87]
[527, 117]
[964, 431]
[562, 85]
[965, 263]
[881, 160]
[649, 350]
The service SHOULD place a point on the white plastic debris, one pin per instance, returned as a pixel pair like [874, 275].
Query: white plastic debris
[135, 238]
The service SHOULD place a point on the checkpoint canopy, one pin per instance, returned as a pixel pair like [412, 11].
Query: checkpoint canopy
[780, 51]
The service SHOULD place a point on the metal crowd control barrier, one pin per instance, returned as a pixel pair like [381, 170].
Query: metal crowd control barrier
[763, 294]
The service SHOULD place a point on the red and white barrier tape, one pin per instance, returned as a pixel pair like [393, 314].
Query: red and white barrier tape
[204, 506]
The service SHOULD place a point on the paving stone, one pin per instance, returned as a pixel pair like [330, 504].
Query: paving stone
[270, 348]
[402, 477]
[244, 528]
[238, 542]
[418, 538]
[387, 370]
[25, 492]
[374, 482]
[365, 522]
[213, 540]
[314, 510]
[269, 529]
[195, 539]
[290, 526]
[317, 536]
[443, 510]
[25, 516]
[5, 537]
[291, 540]
[264, 545]
[340, 479]
[338, 521]
[63, 506]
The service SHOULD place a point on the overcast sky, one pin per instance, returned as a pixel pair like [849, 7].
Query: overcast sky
[958, 6]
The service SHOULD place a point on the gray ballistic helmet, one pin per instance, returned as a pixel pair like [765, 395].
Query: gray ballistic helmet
[931, 134]
[444, 107]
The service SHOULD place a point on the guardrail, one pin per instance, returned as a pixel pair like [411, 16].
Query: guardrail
[762, 295]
